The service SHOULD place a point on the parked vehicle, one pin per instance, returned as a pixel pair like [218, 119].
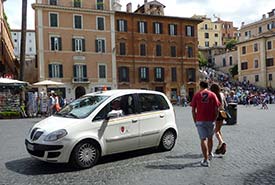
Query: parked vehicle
[104, 123]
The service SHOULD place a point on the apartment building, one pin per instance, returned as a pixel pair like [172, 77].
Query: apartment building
[225, 61]
[8, 66]
[228, 31]
[209, 33]
[156, 52]
[256, 52]
[75, 44]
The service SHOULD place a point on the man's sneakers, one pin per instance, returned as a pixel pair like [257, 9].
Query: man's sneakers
[210, 156]
[205, 163]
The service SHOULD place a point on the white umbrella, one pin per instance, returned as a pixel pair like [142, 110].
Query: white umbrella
[47, 83]
[8, 81]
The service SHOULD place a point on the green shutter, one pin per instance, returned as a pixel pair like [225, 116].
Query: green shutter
[73, 44]
[50, 70]
[61, 70]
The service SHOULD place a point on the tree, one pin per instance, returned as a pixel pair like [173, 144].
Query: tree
[202, 60]
[23, 38]
[234, 70]
[231, 44]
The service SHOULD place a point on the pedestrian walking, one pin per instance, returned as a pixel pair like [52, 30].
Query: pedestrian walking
[205, 106]
[221, 148]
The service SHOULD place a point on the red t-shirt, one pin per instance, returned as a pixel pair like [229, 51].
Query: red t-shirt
[206, 104]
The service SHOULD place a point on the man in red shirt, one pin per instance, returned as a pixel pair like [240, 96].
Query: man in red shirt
[204, 111]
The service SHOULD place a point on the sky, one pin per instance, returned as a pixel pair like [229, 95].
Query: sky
[237, 11]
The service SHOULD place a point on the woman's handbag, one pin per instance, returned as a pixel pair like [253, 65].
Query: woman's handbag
[223, 114]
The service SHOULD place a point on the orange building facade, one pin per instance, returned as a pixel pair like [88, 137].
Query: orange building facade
[74, 44]
[157, 52]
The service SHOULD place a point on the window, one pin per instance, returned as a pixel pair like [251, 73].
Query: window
[172, 29]
[216, 27]
[205, 26]
[216, 35]
[152, 102]
[173, 51]
[53, 2]
[243, 50]
[121, 25]
[55, 71]
[223, 62]
[77, 3]
[230, 60]
[260, 29]
[256, 63]
[77, 21]
[269, 26]
[80, 72]
[144, 74]
[269, 45]
[142, 50]
[122, 48]
[78, 44]
[206, 43]
[30, 49]
[142, 27]
[100, 23]
[174, 74]
[190, 51]
[56, 43]
[270, 77]
[123, 74]
[102, 71]
[15, 40]
[99, 5]
[256, 78]
[100, 45]
[53, 20]
[157, 27]
[244, 66]
[269, 62]
[159, 74]
[189, 31]
[206, 35]
[191, 75]
[255, 47]
[247, 33]
[158, 50]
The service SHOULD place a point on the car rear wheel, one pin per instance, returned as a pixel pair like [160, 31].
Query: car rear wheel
[168, 140]
[85, 154]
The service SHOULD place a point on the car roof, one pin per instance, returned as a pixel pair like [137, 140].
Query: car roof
[121, 92]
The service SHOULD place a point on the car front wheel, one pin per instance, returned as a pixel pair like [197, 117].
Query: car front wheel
[168, 140]
[85, 154]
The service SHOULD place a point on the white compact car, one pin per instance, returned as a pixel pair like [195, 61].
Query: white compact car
[104, 123]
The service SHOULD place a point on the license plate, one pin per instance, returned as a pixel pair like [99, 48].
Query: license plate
[30, 146]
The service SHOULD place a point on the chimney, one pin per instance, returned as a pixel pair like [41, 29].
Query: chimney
[145, 1]
[263, 16]
[129, 8]
[242, 23]
[138, 6]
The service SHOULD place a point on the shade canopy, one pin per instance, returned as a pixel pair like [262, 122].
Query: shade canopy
[48, 83]
[8, 81]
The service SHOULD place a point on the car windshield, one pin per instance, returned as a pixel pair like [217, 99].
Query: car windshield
[82, 107]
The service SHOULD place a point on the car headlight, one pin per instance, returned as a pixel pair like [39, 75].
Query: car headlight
[56, 135]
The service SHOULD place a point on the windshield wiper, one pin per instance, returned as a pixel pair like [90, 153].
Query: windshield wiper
[71, 115]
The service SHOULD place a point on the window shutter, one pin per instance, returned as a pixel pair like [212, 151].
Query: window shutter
[52, 43]
[103, 46]
[96, 45]
[73, 44]
[147, 74]
[83, 45]
[138, 25]
[59, 43]
[74, 71]
[162, 74]
[61, 70]
[50, 71]
[192, 31]
[120, 74]
[125, 26]
[127, 74]
[160, 28]
[145, 27]
[84, 71]
[154, 26]
[175, 26]
[169, 30]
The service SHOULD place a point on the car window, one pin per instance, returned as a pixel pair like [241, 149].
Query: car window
[82, 107]
[152, 102]
[124, 103]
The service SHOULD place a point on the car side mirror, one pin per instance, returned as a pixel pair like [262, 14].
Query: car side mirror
[114, 114]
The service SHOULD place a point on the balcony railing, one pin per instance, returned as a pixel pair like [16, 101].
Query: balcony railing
[80, 80]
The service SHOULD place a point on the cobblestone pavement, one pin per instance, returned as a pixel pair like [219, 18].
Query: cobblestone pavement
[250, 158]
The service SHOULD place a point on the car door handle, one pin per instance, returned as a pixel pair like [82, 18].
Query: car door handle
[134, 120]
[161, 116]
